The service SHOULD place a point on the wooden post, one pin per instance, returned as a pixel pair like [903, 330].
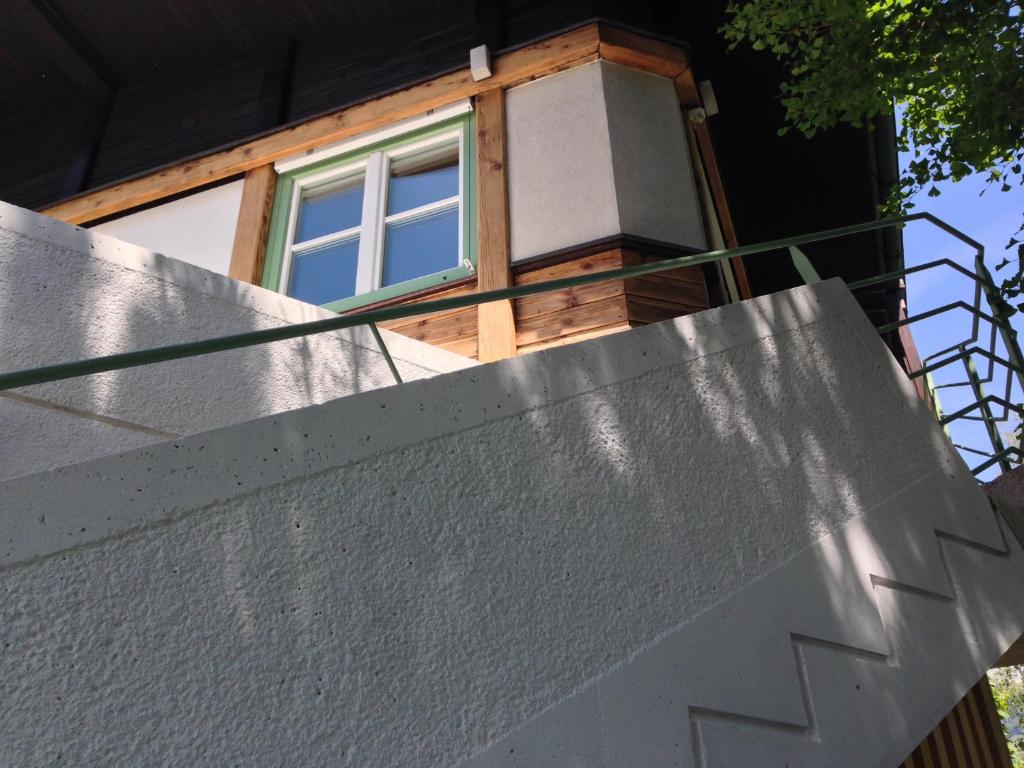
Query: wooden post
[707, 156]
[496, 329]
[250, 246]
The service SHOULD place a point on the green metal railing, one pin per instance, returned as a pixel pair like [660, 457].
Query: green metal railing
[997, 318]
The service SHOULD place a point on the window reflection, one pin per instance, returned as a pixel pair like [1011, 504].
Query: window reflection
[423, 178]
[330, 208]
[326, 273]
[421, 246]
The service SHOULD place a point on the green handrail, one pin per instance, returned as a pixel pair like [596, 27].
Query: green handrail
[964, 349]
[140, 357]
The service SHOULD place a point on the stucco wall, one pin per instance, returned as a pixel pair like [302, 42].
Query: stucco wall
[597, 151]
[198, 229]
[67, 293]
[403, 576]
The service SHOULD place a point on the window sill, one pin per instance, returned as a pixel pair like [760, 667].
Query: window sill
[397, 294]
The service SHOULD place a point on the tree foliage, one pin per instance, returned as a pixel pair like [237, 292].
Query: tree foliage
[1008, 691]
[955, 68]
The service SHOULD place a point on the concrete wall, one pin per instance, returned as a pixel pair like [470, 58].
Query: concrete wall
[198, 229]
[406, 576]
[68, 293]
[597, 151]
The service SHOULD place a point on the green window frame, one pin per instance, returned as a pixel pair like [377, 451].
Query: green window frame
[368, 159]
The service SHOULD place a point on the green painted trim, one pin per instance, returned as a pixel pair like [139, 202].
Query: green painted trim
[281, 213]
[277, 233]
[389, 292]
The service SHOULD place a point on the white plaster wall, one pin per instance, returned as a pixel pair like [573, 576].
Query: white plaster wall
[404, 576]
[597, 151]
[67, 293]
[198, 229]
[655, 187]
[560, 183]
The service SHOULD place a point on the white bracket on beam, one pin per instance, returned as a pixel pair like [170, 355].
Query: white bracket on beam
[480, 62]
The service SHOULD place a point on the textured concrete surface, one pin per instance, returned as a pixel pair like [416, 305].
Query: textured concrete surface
[67, 293]
[848, 654]
[38, 436]
[1007, 494]
[598, 151]
[198, 228]
[408, 575]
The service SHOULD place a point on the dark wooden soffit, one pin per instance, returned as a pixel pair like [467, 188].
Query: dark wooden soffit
[146, 42]
[579, 46]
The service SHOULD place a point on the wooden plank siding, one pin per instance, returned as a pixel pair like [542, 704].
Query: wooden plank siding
[573, 314]
[566, 316]
[970, 735]
[454, 330]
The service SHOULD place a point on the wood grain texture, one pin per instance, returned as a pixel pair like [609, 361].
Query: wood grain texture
[570, 49]
[250, 246]
[517, 66]
[640, 52]
[561, 341]
[714, 177]
[572, 321]
[454, 330]
[496, 329]
[571, 314]
[970, 735]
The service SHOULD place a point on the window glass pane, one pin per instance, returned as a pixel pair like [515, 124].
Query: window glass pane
[332, 207]
[424, 177]
[326, 273]
[421, 246]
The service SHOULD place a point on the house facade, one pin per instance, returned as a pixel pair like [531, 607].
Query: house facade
[273, 164]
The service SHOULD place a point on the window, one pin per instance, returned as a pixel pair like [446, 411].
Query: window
[375, 222]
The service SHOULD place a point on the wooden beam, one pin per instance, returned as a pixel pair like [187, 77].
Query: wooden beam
[250, 246]
[552, 55]
[573, 48]
[496, 334]
[640, 52]
[707, 157]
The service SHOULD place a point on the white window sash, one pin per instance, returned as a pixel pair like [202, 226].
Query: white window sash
[373, 217]
[372, 235]
[394, 130]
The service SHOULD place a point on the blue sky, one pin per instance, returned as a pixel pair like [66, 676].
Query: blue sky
[990, 218]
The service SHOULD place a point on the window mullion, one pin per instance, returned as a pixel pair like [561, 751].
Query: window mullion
[378, 252]
[367, 272]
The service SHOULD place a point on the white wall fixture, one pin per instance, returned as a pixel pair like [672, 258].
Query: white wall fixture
[708, 98]
[597, 151]
[198, 229]
[583, 556]
[480, 62]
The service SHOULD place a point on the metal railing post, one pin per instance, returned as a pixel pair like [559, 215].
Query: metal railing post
[384, 351]
[998, 449]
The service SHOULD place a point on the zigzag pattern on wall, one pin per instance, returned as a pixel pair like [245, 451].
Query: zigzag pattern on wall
[847, 655]
[809, 731]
